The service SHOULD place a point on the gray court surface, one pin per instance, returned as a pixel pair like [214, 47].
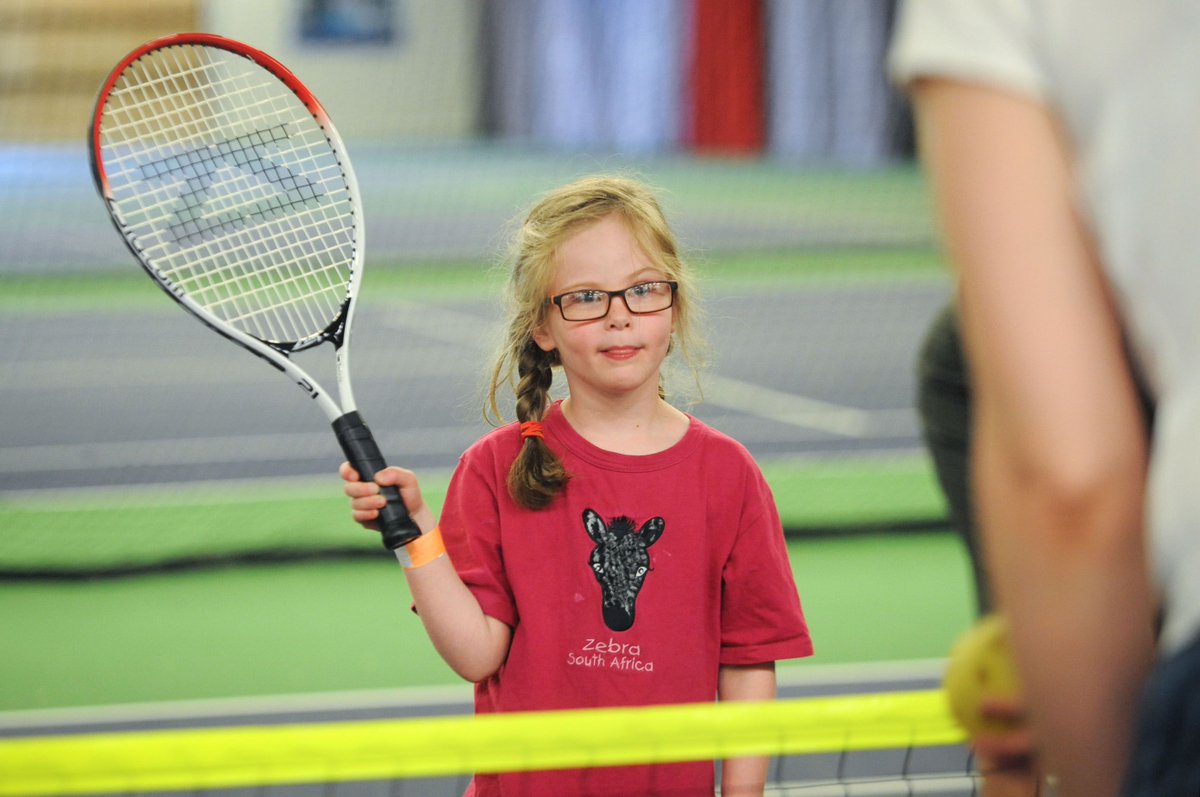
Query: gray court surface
[93, 399]
[113, 397]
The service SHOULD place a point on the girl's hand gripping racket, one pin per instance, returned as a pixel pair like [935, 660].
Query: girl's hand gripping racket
[230, 185]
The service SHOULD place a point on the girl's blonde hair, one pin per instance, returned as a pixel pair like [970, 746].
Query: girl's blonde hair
[538, 475]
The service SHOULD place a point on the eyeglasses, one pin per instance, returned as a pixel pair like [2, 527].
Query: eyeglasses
[591, 304]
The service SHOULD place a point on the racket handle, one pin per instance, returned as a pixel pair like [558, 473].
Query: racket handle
[363, 454]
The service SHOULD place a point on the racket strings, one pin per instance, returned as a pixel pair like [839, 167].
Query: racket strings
[193, 166]
[239, 298]
[232, 190]
[263, 297]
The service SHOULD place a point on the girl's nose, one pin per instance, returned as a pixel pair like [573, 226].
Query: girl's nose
[618, 312]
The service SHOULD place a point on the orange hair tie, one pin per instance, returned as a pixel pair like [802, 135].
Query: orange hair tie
[531, 429]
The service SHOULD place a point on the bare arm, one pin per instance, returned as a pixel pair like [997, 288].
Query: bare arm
[471, 642]
[1059, 453]
[745, 777]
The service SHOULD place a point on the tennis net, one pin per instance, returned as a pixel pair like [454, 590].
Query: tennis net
[865, 744]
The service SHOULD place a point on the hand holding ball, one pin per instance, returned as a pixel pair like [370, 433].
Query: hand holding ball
[981, 667]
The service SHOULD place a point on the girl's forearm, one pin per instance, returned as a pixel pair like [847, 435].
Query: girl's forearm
[745, 777]
[471, 642]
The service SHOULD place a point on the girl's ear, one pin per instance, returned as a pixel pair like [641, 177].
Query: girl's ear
[542, 337]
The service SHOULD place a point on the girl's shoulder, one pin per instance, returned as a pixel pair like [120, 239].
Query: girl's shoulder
[501, 442]
[726, 461]
[715, 439]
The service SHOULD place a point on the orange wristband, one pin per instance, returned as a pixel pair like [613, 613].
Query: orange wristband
[422, 550]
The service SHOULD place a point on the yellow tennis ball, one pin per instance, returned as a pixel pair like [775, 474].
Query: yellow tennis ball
[981, 665]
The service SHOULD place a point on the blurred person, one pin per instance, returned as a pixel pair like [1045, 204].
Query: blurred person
[944, 411]
[1059, 139]
[1005, 760]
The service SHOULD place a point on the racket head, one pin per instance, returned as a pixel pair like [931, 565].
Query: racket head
[230, 184]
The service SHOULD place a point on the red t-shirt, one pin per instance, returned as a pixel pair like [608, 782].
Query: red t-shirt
[637, 582]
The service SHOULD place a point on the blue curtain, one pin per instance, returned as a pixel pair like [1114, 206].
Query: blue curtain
[586, 74]
[829, 101]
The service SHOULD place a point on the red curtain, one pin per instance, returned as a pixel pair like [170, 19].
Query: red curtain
[726, 77]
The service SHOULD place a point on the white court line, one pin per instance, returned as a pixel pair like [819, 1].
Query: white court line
[241, 449]
[734, 394]
[796, 410]
[131, 372]
[842, 675]
[859, 672]
[259, 488]
[215, 492]
[399, 697]
[440, 324]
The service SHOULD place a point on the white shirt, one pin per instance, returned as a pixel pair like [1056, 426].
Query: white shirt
[1125, 79]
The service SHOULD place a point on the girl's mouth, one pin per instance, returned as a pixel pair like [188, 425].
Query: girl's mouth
[620, 352]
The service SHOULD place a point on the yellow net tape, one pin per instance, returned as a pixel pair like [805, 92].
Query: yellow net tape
[426, 747]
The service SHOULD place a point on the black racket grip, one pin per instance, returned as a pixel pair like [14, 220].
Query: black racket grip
[363, 454]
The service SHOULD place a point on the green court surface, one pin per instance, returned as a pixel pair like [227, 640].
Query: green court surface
[334, 626]
[754, 271]
[131, 529]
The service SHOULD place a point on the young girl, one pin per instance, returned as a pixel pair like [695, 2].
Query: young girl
[607, 549]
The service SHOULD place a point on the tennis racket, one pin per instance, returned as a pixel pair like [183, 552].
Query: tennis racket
[229, 183]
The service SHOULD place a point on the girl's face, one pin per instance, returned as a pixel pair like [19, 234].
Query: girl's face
[620, 354]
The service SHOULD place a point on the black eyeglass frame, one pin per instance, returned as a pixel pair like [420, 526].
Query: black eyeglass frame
[610, 295]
